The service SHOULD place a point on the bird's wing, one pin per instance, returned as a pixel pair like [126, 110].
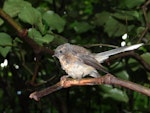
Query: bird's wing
[91, 61]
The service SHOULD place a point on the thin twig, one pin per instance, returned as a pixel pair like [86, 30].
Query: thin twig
[133, 55]
[144, 8]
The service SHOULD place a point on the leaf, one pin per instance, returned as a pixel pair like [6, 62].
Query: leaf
[34, 34]
[101, 18]
[114, 93]
[54, 21]
[131, 3]
[146, 57]
[119, 71]
[42, 27]
[30, 15]
[48, 38]
[127, 15]
[139, 30]
[114, 28]
[1, 21]
[58, 40]
[81, 27]
[13, 7]
[5, 44]
[134, 65]
[123, 75]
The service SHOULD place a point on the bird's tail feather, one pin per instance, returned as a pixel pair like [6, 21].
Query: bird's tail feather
[100, 57]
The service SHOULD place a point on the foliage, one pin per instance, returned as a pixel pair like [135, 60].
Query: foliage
[53, 22]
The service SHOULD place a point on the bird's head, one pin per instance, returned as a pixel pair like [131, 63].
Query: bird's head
[61, 50]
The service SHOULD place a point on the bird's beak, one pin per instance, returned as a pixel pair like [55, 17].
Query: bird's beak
[54, 55]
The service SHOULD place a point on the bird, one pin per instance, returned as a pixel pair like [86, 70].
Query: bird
[79, 62]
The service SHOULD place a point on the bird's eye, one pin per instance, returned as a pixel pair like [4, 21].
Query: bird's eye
[60, 51]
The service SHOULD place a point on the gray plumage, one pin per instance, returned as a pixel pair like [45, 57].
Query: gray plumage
[79, 62]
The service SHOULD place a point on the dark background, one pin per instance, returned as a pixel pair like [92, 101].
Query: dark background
[83, 22]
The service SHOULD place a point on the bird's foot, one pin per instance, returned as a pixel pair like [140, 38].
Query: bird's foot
[63, 80]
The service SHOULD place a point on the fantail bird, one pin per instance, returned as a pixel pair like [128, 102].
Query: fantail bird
[79, 62]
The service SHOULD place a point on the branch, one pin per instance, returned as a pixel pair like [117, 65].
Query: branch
[144, 8]
[133, 55]
[107, 79]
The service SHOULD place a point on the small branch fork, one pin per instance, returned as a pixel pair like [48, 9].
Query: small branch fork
[144, 9]
[106, 79]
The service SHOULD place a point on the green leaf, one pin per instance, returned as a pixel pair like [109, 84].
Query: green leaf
[101, 18]
[13, 7]
[34, 34]
[131, 3]
[1, 21]
[48, 38]
[42, 27]
[119, 71]
[139, 30]
[126, 15]
[54, 21]
[81, 27]
[134, 65]
[30, 15]
[114, 93]
[5, 44]
[114, 28]
[146, 57]
[58, 40]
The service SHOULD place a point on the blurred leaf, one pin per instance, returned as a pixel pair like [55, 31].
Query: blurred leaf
[81, 27]
[48, 38]
[30, 15]
[42, 27]
[123, 75]
[131, 4]
[54, 21]
[114, 28]
[50, 1]
[139, 30]
[119, 71]
[13, 7]
[5, 44]
[101, 18]
[114, 93]
[126, 15]
[58, 40]
[34, 34]
[146, 57]
[1, 21]
[134, 65]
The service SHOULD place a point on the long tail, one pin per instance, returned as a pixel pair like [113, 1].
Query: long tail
[100, 57]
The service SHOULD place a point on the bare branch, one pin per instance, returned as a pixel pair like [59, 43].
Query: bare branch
[144, 8]
[107, 79]
[133, 55]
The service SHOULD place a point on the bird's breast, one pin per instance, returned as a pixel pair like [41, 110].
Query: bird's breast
[75, 68]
